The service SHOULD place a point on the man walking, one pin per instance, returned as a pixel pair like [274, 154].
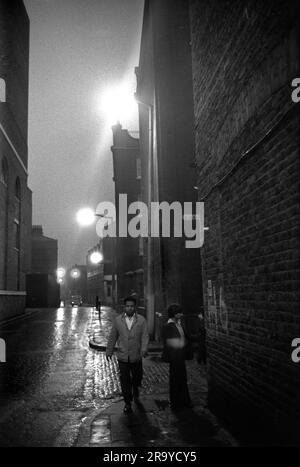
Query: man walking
[130, 331]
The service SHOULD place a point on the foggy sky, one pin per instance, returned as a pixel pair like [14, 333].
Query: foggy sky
[77, 48]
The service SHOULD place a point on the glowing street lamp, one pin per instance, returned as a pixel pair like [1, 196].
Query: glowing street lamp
[96, 257]
[85, 216]
[75, 273]
[117, 103]
[60, 273]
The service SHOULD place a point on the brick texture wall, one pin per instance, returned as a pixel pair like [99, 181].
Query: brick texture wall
[11, 305]
[14, 68]
[245, 54]
[14, 65]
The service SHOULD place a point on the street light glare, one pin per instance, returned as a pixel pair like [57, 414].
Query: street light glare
[60, 273]
[85, 216]
[96, 257]
[75, 273]
[117, 104]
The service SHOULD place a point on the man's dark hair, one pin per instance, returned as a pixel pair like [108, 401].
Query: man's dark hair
[130, 299]
[173, 309]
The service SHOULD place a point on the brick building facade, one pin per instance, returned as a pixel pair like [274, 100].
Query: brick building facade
[245, 55]
[15, 196]
[44, 252]
[128, 254]
[41, 284]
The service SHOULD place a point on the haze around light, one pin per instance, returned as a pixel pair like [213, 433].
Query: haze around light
[81, 52]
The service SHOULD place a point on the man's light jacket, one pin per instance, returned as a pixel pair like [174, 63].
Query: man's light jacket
[133, 343]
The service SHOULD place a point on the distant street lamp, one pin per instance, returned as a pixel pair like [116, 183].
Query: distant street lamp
[75, 273]
[85, 217]
[60, 273]
[96, 257]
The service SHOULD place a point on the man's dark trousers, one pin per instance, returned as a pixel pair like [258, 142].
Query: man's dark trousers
[131, 374]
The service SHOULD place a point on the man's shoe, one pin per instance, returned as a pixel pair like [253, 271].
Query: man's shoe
[127, 408]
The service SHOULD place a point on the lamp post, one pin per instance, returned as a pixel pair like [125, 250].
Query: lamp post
[96, 257]
[153, 264]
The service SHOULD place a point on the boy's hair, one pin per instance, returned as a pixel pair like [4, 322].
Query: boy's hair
[130, 299]
[173, 309]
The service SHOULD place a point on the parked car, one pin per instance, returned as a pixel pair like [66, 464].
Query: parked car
[76, 300]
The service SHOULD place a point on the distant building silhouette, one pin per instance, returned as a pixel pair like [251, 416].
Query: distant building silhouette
[41, 283]
[44, 252]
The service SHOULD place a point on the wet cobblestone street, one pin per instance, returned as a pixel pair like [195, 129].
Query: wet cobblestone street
[55, 390]
[105, 374]
[49, 382]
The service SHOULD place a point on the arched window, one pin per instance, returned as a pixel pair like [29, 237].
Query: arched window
[4, 221]
[18, 188]
[17, 225]
[2, 90]
[17, 218]
[4, 171]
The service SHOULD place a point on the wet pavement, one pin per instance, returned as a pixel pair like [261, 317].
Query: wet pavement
[45, 384]
[58, 389]
[152, 423]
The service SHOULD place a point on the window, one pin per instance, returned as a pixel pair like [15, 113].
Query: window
[18, 188]
[17, 200]
[16, 235]
[141, 246]
[2, 90]
[4, 172]
[4, 222]
[17, 227]
[138, 168]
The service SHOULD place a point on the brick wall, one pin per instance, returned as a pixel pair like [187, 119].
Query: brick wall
[14, 64]
[245, 54]
[11, 305]
[8, 276]
[14, 68]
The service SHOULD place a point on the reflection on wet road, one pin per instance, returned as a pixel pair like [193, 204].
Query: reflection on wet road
[47, 384]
